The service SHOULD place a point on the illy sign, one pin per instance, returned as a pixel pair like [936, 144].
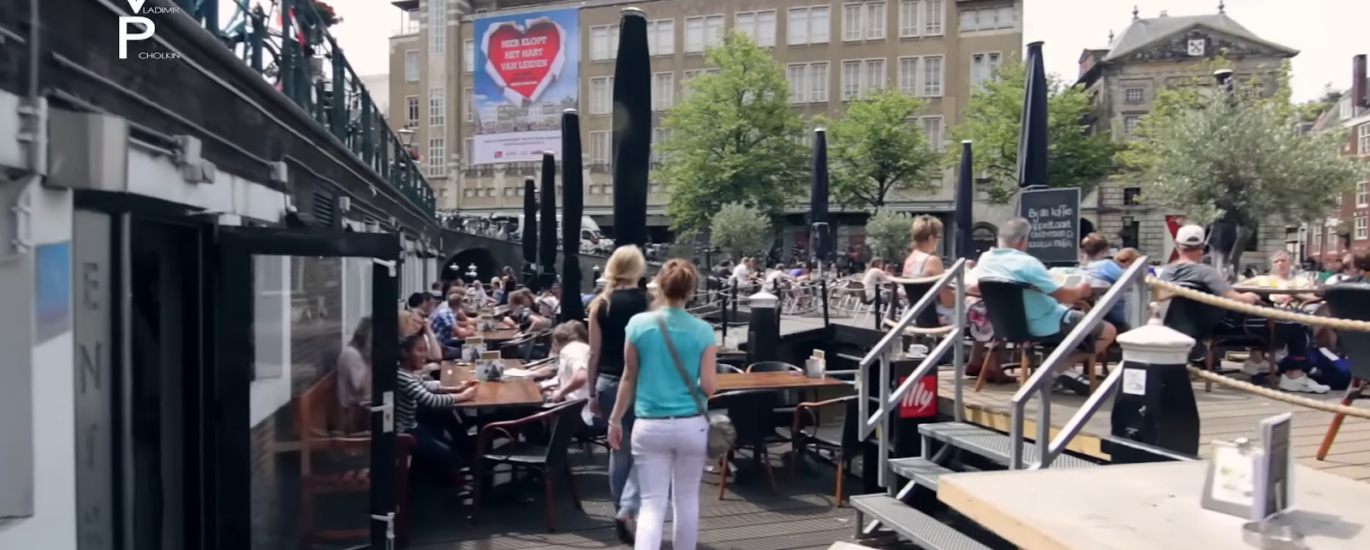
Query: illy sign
[148, 28]
[921, 400]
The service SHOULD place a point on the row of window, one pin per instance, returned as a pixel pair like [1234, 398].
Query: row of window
[1360, 230]
[489, 192]
[804, 25]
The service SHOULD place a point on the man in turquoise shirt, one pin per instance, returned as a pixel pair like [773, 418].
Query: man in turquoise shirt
[1044, 303]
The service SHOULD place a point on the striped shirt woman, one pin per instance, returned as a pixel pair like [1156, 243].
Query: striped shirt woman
[432, 450]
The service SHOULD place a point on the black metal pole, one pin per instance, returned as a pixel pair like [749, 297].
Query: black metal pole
[723, 314]
[875, 312]
[823, 294]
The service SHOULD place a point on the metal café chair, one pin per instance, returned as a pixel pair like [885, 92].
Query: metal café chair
[1349, 301]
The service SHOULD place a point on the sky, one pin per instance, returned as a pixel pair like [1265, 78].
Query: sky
[1323, 31]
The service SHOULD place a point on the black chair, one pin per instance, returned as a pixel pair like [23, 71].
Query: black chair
[1200, 321]
[1007, 312]
[915, 292]
[550, 459]
[844, 446]
[748, 411]
[1349, 301]
[724, 368]
[785, 410]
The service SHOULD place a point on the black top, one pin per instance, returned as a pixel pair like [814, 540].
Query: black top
[613, 318]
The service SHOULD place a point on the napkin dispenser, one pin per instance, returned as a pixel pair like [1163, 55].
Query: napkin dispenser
[816, 366]
[489, 367]
[473, 349]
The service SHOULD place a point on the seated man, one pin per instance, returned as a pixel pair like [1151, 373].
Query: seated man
[1189, 241]
[1045, 302]
[448, 328]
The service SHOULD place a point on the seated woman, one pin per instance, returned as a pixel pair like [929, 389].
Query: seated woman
[415, 393]
[570, 345]
[924, 262]
[521, 315]
[1292, 336]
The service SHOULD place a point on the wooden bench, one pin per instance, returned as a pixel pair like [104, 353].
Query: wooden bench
[325, 431]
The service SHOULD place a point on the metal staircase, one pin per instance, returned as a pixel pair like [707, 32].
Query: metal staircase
[940, 441]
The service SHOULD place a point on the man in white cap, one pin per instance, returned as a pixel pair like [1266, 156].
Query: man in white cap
[1189, 240]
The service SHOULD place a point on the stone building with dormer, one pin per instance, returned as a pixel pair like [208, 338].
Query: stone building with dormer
[1123, 79]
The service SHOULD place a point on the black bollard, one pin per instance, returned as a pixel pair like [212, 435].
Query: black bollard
[763, 328]
[1155, 406]
[875, 308]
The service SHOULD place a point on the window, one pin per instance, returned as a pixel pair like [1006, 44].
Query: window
[982, 67]
[663, 91]
[659, 136]
[864, 21]
[467, 106]
[437, 153]
[1362, 227]
[468, 55]
[874, 77]
[1134, 95]
[601, 95]
[932, 76]
[1130, 125]
[1317, 236]
[932, 17]
[437, 27]
[411, 21]
[851, 80]
[908, 76]
[757, 25]
[799, 86]
[932, 131]
[1362, 194]
[603, 42]
[808, 82]
[469, 151]
[702, 32]
[411, 110]
[1130, 196]
[809, 25]
[599, 147]
[859, 77]
[988, 19]
[411, 66]
[687, 76]
[908, 17]
[661, 37]
[1363, 139]
[437, 106]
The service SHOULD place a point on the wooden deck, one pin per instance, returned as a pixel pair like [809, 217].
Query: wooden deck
[1224, 414]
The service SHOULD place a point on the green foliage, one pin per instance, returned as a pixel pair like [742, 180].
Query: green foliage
[993, 121]
[740, 230]
[732, 138]
[877, 149]
[1310, 110]
[1211, 154]
[887, 234]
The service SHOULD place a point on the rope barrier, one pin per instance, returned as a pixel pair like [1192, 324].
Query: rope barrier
[1258, 311]
[1334, 408]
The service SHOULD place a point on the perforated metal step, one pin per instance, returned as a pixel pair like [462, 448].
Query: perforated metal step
[921, 470]
[922, 529]
[991, 444]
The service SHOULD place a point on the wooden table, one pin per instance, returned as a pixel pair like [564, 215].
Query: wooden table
[1266, 291]
[772, 381]
[1144, 507]
[510, 392]
[496, 337]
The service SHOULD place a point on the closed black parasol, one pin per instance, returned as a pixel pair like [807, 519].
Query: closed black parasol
[965, 187]
[572, 208]
[821, 233]
[529, 232]
[547, 207]
[632, 129]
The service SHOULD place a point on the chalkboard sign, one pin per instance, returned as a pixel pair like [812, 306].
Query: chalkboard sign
[1055, 218]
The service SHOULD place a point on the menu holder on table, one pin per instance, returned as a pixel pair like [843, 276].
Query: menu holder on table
[486, 323]
[1229, 487]
[489, 367]
[474, 347]
[816, 366]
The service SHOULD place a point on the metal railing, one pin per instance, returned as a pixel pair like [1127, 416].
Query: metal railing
[882, 352]
[303, 60]
[1132, 281]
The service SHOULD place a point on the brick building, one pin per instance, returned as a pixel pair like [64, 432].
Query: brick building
[1347, 227]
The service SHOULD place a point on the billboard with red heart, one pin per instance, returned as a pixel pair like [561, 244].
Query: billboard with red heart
[526, 73]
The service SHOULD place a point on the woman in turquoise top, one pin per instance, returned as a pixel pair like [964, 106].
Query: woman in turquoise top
[670, 434]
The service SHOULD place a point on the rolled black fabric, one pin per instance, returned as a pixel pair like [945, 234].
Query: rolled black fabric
[572, 208]
[1032, 141]
[529, 232]
[964, 195]
[820, 240]
[547, 206]
[632, 129]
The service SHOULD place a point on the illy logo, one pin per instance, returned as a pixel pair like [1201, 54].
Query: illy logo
[921, 399]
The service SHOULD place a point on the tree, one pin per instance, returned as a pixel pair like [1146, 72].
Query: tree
[1310, 110]
[878, 149]
[740, 230]
[732, 138]
[993, 121]
[1238, 157]
[887, 234]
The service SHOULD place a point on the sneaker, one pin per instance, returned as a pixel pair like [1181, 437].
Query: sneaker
[1302, 384]
[1255, 368]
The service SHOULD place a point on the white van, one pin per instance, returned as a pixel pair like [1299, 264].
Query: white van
[591, 237]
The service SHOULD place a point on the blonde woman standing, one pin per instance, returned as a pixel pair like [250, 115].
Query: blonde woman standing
[610, 312]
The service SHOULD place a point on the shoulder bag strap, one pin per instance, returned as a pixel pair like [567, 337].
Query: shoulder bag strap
[693, 388]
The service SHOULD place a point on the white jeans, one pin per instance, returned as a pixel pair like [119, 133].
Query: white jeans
[670, 456]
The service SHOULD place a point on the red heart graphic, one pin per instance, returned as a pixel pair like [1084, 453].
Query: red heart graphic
[524, 57]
